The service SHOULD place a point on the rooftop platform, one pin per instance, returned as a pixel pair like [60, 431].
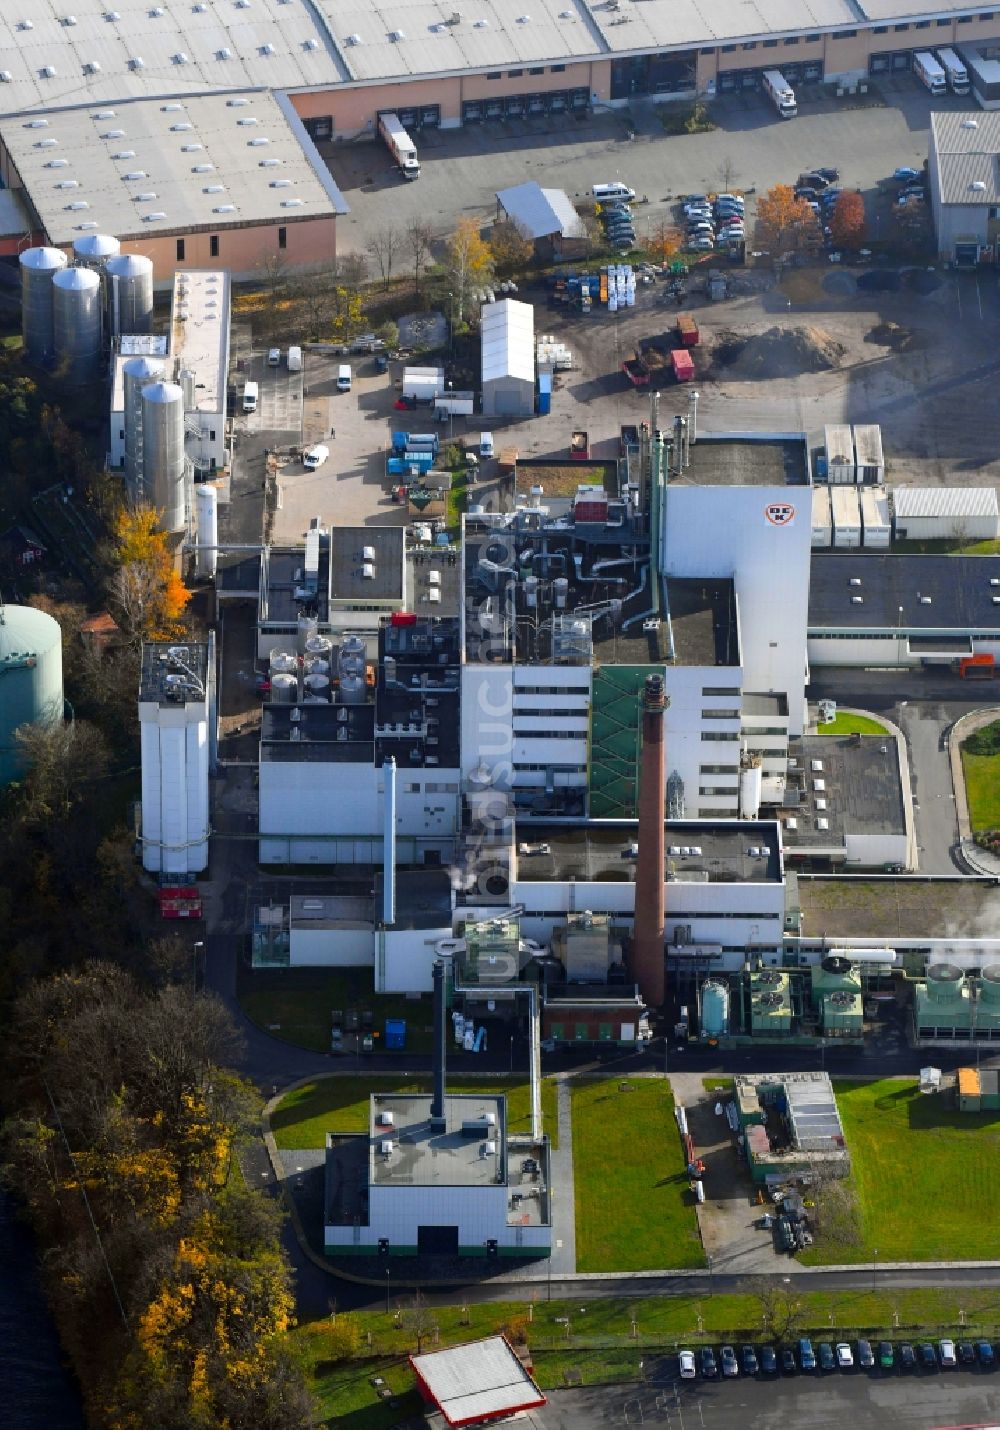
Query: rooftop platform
[859, 783]
[716, 852]
[746, 462]
[950, 594]
[428, 1156]
[703, 621]
[357, 577]
[172, 673]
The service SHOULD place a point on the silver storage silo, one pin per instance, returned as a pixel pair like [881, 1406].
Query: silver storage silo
[93, 250]
[76, 325]
[129, 279]
[284, 688]
[351, 660]
[283, 662]
[163, 452]
[352, 689]
[37, 268]
[31, 685]
[207, 502]
[188, 380]
[137, 373]
[307, 629]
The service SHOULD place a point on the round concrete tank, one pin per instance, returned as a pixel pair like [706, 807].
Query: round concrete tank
[38, 266]
[163, 451]
[31, 686]
[129, 280]
[714, 1009]
[308, 627]
[137, 373]
[352, 689]
[207, 510]
[989, 984]
[77, 325]
[283, 662]
[284, 688]
[944, 982]
[93, 250]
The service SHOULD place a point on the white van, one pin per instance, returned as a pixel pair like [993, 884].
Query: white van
[603, 192]
[250, 391]
[344, 377]
[314, 457]
[294, 359]
[486, 444]
[274, 357]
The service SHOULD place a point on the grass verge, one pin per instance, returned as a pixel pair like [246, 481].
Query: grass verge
[851, 725]
[305, 1115]
[982, 789]
[634, 1210]
[926, 1177]
[606, 1339]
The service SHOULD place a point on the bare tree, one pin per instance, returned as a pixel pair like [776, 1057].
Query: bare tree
[833, 1215]
[418, 239]
[780, 1306]
[61, 760]
[727, 173]
[313, 289]
[417, 1319]
[384, 247]
[351, 269]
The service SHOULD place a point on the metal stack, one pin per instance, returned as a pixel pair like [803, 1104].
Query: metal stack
[38, 265]
[129, 281]
[77, 329]
[137, 373]
[163, 462]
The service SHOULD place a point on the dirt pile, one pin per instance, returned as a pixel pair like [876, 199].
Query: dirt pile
[778, 352]
[892, 335]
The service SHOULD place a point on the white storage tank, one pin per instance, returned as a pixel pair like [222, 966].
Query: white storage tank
[207, 510]
[129, 282]
[31, 683]
[352, 656]
[846, 505]
[137, 373]
[875, 519]
[38, 267]
[283, 662]
[308, 627]
[315, 665]
[76, 325]
[284, 688]
[319, 646]
[93, 250]
[317, 684]
[840, 466]
[822, 517]
[163, 452]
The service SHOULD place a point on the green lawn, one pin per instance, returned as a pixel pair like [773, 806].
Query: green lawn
[851, 725]
[926, 1177]
[600, 1345]
[304, 1117]
[982, 787]
[295, 1004]
[634, 1211]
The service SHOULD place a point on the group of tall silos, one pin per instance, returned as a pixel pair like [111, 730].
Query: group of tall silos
[70, 312]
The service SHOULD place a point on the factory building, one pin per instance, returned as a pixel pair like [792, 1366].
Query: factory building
[437, 1176]
[902, 610]
[955, 514]
[507, 352]
[791, 1125]
[962, 174]
[177, 729]
[201, 180]
[954, 1006]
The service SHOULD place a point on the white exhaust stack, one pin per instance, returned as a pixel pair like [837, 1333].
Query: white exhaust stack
[389, 843]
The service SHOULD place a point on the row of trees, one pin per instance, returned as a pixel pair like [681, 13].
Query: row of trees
[787, 224]
[165, 1273]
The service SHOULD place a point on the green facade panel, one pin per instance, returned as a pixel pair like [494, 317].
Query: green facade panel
[615, 722]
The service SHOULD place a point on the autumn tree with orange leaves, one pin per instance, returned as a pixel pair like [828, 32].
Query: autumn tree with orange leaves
[847, 223]
[785, 224]
[146, 589]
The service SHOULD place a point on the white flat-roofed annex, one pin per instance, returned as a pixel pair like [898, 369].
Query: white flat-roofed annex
[144, 167]
[199, 333]
[479, 1381]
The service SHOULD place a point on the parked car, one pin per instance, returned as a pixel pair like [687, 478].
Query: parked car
[700, 244]
[749, 1358]
[730, 1365]
[845, 1358]
[768, 1360]
[966, 1353]
[709, 1369]
[789, 1365]
[946, 1350]
[694, 199]
[314, 457]
[927, 1356]
[526, 851]
[697, 210]
[905, 172]
[685, 1360]
[907, 1356]
[886, 1359]
[732, 206]
[814, 180]
[827, 1359]
[831, 175]
[985, 1352]
[866, 1359]
[807, 1356]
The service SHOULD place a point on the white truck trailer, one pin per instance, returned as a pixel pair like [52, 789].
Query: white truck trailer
[958, 75]
[929, 72]
[781, 94]
[399, 144]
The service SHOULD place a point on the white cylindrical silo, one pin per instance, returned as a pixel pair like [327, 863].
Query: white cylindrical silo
[38, 265]
[207, 505]
[76, 324]
[189, 381]
[129, 279]
[93, 250]
[284, 688]
[308, 627]
[352, 656]
[163, 452]
[137, 373]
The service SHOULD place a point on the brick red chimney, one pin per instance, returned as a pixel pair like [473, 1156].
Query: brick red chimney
[648, 929]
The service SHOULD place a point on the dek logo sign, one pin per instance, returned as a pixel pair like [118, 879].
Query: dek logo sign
[780, 513]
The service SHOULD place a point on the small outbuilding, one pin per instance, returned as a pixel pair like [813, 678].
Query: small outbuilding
[507, 336]
[477, 1383]
[546, 217]
[946, 513]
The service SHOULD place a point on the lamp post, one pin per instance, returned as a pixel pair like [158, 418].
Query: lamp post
[194, 965]
[387, 1290]
[874, 1265]
[899, 635]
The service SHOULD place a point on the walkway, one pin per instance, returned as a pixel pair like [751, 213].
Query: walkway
[561, 1176]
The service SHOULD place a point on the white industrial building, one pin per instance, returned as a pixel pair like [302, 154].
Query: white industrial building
[838, 441]
[876, 609]
[507, 341]
[177, 716]
[962, 171]
[946, 513]
[876, 520]
[822, 517]
[845, 505]
[868, 454]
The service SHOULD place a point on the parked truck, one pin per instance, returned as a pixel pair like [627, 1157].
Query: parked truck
[399, 144]
[780, 93]
[687, 331]
[579, 446]
[683, 364]
[415, 442]
[929, 72]
[958, 75]
[636, 369]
